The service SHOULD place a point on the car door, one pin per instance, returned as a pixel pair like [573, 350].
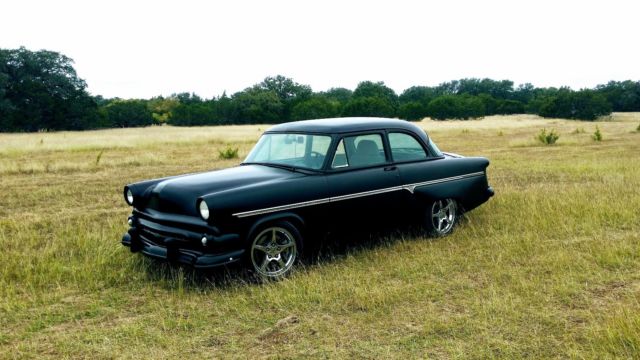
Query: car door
[415, 165]
[363, 183]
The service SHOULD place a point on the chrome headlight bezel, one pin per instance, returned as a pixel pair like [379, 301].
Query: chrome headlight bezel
[203, 210]
[128, 196]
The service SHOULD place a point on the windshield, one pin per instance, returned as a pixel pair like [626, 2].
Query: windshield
[297, 150]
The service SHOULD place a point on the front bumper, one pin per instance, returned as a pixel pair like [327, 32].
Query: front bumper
[181, 245]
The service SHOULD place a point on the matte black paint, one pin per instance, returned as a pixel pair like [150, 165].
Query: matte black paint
[167, 224]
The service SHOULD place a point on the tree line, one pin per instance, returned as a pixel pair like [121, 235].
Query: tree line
[41, 91]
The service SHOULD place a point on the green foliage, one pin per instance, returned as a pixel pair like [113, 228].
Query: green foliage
[548, 138]
[622, 95]
[376, 90]
[368, 106]
[127, 113]
[194, 114]
[579, 131]
[41, 90]
[162, 108]
[509, 107]
[597, 135]
[638, 128]
[228, 153]
[456, 107]
[582, 105]
[258, 106]
[412, 111]
[317, 107]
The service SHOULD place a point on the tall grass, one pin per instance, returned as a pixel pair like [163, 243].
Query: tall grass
[550, 267]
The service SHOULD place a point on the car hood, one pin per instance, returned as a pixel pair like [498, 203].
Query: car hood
[179, 194]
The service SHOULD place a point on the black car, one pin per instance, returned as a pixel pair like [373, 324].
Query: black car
[303, 179]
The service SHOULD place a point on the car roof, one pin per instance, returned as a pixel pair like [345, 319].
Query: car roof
[343, 125]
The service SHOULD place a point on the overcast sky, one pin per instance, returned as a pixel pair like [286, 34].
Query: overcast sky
[147, 48]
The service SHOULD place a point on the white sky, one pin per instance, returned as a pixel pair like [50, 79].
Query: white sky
[147, 48]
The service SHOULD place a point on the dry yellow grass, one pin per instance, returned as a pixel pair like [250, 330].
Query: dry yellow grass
[548, 268]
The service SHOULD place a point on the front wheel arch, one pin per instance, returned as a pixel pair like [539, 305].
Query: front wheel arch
[295, 220]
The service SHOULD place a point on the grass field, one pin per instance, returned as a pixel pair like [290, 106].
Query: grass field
[548, 268]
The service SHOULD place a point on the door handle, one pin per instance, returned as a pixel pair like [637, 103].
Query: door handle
[389, 168]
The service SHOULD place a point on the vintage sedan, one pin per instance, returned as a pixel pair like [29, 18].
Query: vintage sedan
[300, 180]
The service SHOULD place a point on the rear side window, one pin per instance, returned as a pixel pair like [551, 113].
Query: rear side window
[361, 150]
[405, 147]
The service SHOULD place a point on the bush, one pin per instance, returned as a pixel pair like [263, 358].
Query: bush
[369, 106]
[456, 107]
[228, 153]
[508, 107]
[548, 138]
[315, 108]
[582, 105]
[412, 111]
[597, 135]
[128, 113]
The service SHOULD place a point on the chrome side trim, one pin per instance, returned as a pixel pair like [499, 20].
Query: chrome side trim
[412, 187]
[282, 207]
[409, 187]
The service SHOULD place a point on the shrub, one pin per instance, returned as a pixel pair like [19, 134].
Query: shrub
[456, 107]
[548, 138]
[597, 135]
[582, 105]
[369, 106]
[412, 111]
[578, 131]
[228, 153]
[315, 108]
[638, 128]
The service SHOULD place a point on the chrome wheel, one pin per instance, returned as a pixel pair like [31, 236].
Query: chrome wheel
[443, 216]
[273, 252]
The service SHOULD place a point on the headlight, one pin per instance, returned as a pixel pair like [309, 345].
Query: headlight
[128, 196]
[204, 210]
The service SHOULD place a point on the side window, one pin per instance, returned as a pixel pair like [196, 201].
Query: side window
[340, 158]
[361, 150]
[405, 147]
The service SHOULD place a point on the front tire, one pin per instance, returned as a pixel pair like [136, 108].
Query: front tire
[274, 249]
[441, 217]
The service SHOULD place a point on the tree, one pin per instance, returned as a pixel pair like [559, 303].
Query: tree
[369, 89]
[128, 113]
[368, 106]
[583, 105]
[162, 108]
[317, 107]
[508, 107]
[623, 95]
[288, 91]
[256, 105]
[341, 95]
[194, 114]
[41, 90]
[456, 107]
[412, 111]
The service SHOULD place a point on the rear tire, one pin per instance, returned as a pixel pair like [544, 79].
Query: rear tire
[441, 217]
[274, 249]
